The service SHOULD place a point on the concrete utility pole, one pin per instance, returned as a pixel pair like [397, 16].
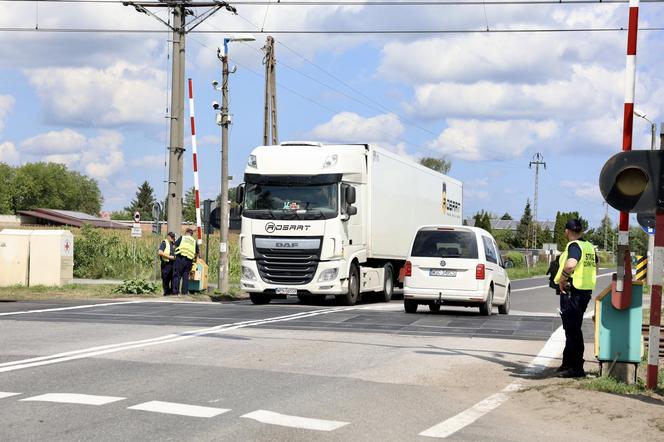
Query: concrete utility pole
[181, 9]
[537, 161]
[270, 111]
[606, 224]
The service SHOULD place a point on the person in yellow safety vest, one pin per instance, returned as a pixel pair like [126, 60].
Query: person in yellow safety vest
[576, 279]
[167, 258]
[186, 251]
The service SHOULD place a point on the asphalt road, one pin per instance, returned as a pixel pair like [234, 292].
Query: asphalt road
[283, 371]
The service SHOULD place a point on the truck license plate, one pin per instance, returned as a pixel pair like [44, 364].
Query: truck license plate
[442, 272]
[286, 291]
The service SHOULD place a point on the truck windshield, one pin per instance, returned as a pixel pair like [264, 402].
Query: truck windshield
[291, 202]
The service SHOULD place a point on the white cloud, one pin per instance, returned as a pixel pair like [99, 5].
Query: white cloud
[100, 156]
[122, 94]
[148, 161]
[477, 140]
[8, 153]
[347, 127]
[475, 194]
[6, 105]
[583, 190]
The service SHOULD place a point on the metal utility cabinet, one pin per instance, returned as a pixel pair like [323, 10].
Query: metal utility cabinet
[14, 257]
[51, 257]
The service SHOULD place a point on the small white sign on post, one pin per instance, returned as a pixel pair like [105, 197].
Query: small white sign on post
[222, 247]
[136, 230]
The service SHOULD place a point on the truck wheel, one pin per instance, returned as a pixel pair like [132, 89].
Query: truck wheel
[485, 309]
[505, 308]
[434, 308]
[410, 306]
[353, 294]
[388, 284]
[260, 298]
[304, 299]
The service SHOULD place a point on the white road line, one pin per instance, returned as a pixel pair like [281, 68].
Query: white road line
[179, 409]
[547, 285]
[284, 420]
[75, 307]
[4, 394]
[106, 349]
[73, 398]
[551, 350]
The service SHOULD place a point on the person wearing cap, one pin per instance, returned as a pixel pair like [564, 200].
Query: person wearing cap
[186, 250]
[166, 254]
[576, 278]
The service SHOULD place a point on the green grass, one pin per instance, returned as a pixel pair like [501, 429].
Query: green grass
[523, 272]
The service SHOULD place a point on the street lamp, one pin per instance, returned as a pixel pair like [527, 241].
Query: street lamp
[224, 120]
[653, 127]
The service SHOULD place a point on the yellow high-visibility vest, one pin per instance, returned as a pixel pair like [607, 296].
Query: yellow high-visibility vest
[187, 247]
[584, 276]
[167, 249]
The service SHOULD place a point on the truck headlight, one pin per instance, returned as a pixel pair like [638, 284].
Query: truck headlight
[247, 273]
[252, 161]
[328, 275]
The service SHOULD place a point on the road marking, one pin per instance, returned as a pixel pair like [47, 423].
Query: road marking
[72, 398]
[75, 307]
[551, 350]
[174, 337]
[4, 394]
[547, 285]
[179, 409]
[284, 420]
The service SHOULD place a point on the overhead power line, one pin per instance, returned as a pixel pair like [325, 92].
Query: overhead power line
[371, 3]
[335, 31]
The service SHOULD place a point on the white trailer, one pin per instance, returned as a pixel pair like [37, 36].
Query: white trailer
[334, 219]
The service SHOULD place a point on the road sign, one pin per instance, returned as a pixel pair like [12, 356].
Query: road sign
[647, 222]
[215, 218]
[156, 211]
[136, 230]
[137, 216]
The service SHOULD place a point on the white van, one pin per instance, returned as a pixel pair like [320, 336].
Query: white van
[456, 266]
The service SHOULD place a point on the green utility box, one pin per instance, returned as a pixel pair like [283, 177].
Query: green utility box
[618, 332]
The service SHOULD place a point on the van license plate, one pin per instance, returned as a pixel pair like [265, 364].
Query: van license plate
[286, 291]
[442, 272]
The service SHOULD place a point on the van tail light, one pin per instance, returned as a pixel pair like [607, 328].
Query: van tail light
[408, 269]
[479, 271]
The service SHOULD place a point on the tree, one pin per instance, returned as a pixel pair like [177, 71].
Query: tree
[143, 202]
[482, 220]
[506, 216]
[638, 241]
[442, 165]
[52, 186]
[6, 182]
[522, 237]
[559, 229]
[189, 206]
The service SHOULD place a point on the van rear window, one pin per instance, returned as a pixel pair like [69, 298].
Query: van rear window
[445, 244]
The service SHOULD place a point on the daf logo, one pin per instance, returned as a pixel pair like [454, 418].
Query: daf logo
[270, 227]
[286, 245]
[443, 263]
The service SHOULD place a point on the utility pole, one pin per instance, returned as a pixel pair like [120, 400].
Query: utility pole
[270, 110]
[537, 161]
[606, 224]
[181, 9]
[225, 121]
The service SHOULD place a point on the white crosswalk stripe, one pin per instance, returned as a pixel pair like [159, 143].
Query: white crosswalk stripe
[179, 409]
[284, 420]
[4, 394]
[72, 398]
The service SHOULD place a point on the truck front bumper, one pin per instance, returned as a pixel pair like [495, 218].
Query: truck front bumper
[335, 286]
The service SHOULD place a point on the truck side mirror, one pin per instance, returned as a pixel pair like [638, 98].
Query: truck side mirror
[239, 194]
[351, 210]
[350, 195]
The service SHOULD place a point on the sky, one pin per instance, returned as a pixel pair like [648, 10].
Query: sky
[489, 101]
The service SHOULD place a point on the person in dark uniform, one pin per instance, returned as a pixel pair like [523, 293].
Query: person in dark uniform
[186, 251]
[166, 254]
[576, 278]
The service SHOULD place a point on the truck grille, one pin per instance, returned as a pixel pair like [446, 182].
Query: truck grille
[287, 266]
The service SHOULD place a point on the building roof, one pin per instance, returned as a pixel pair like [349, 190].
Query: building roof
[69, 218]
[511, 224]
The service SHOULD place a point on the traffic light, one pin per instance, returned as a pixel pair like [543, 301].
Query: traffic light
[631, 181]
[208, 205]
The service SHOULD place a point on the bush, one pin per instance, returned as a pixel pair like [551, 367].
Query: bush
[136, 287]
[517, 258]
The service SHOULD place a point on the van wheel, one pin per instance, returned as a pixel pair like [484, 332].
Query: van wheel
[434, 308]
[410, 306]
[485, 309]
[388, 284]
[260, 298]
[505, 308]
[353, 294]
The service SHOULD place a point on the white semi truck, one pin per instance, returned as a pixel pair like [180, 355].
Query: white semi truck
[332, 219]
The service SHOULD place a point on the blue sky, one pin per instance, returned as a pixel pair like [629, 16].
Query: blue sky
[488, 102]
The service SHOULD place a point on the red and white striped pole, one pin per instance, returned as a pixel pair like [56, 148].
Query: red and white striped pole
[655, 303]
[622, 297]
[193, 151]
